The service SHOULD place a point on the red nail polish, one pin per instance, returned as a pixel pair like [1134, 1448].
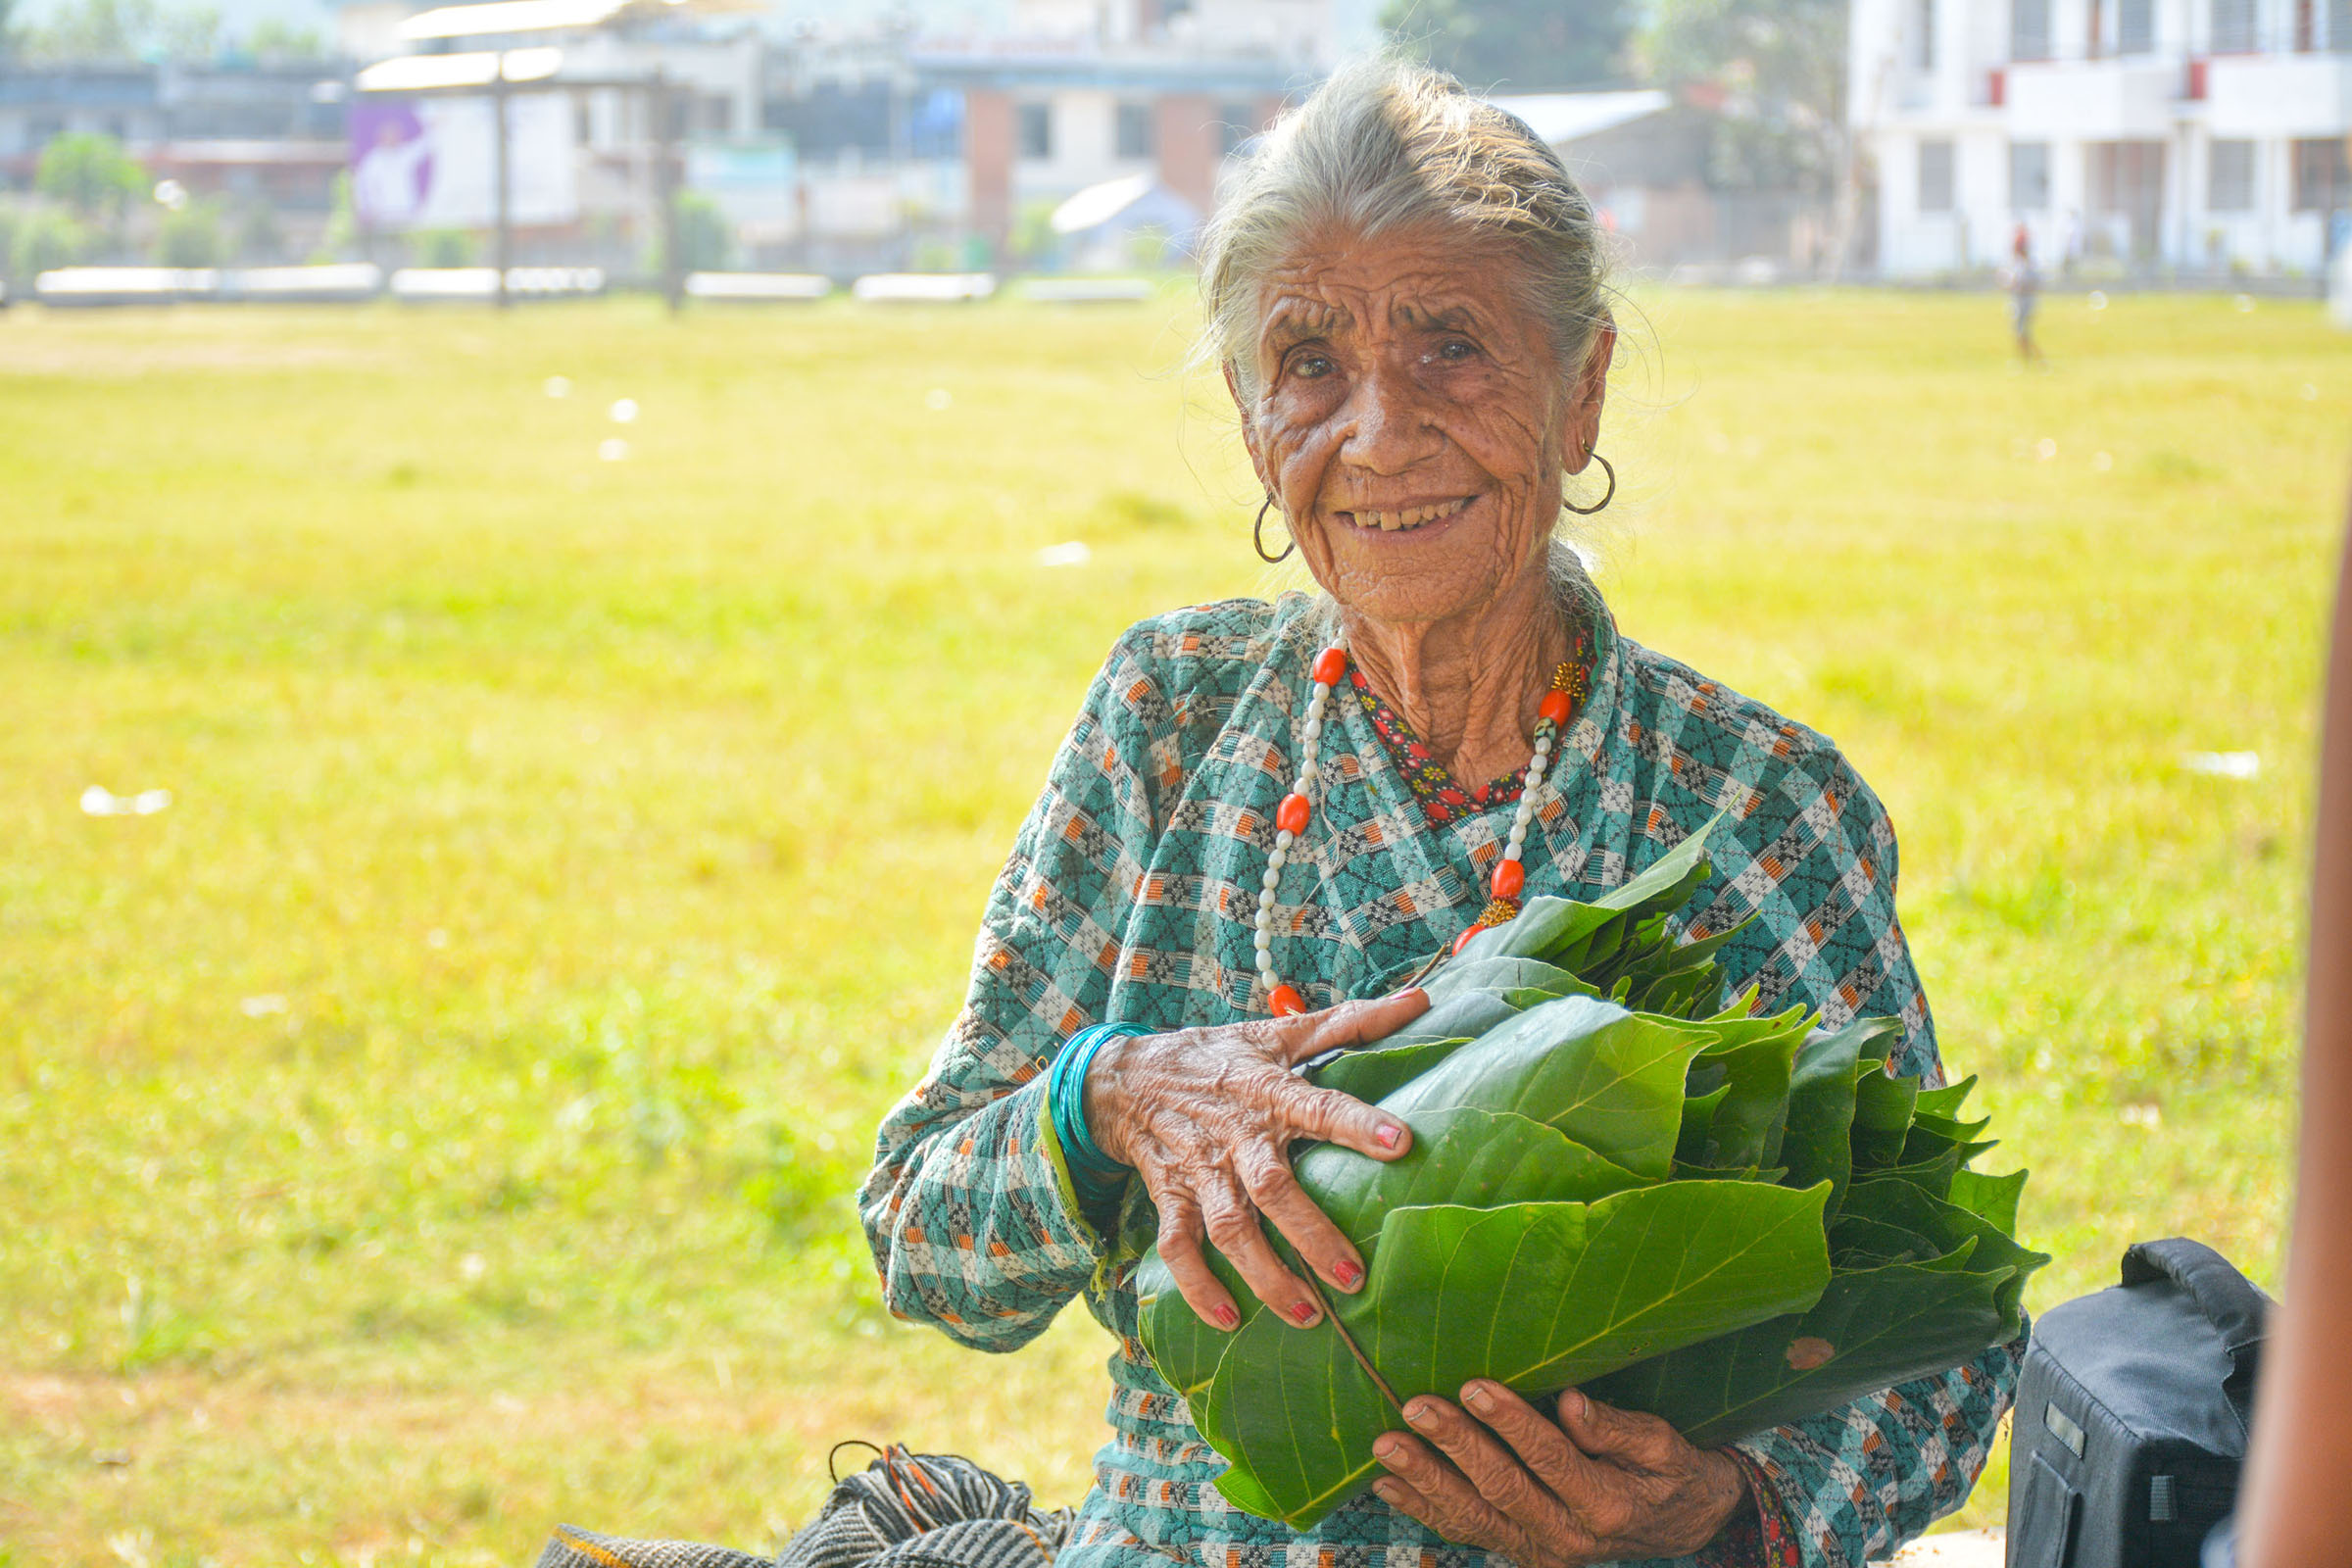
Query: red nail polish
[1348, 1274]
[1303, 1313]
[1387, 1134]
[1227, 1317]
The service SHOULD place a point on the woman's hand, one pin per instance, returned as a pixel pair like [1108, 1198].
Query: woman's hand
[1206, 1117]
[1600, 1485]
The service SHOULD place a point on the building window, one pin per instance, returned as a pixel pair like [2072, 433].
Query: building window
[1135, 130]
[2030, 30]
[2339, 25]
[1923, 34]
[2135, 27]
[1236, 125]
[2230, 176]
[1037, 131]
[2029, 177]
[2232, 27]
[1934, 176]
[2322, 180]
[2307, 26]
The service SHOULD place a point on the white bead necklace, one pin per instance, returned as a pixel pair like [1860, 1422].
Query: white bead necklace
[1290, 818]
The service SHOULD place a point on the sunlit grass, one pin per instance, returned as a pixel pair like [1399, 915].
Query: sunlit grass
[438, 1122]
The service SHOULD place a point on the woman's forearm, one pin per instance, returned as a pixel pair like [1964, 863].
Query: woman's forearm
[970, 1229]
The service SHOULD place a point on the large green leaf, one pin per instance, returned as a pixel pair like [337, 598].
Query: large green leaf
[1462, 1015]
[1537, 1295]
[1374, 1073]
[1509, 974]
[1611, 1080]
[1990, 1197]
[1882, 1106]
[1872, 1329]
[1750, 1058]
[1893, 1201]
[1819, 1123]
[1540, 1296]
[1727, 1220]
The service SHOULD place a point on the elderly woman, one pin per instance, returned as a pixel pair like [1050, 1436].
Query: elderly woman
[1404, 290]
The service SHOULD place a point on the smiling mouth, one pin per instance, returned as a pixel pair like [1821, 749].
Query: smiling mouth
[1403, 519]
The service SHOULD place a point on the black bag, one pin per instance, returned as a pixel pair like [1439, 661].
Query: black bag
[2133, 1413]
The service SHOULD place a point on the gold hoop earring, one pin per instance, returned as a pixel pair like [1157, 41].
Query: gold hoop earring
[1606, 498]
[1257, 537]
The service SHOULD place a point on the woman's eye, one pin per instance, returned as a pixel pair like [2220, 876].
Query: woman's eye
[1313, 366]
[1455, 350]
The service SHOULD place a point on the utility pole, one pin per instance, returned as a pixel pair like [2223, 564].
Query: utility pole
[665, 188]
[502, 247]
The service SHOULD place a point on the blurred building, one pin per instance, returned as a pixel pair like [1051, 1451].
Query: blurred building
[262, 133]
[2182, 136]
[1081, 94]
[1071, 132]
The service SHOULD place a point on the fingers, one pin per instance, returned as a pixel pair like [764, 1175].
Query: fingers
[1634, 1440]
[1331, 1117]
[1400, 1495]
[1180, 1232]
[1491, 1470]
[1266, 1177]
[1231, 1225]
[1351, 1023]
[1421, 1483]
[1537, 1440]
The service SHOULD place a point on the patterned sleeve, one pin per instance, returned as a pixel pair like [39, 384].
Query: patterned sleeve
[1819, 870]
[969, 1208]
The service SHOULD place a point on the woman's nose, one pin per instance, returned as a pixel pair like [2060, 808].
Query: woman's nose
[1386, 427]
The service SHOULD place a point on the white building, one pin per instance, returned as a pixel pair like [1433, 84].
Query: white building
[2186, 136]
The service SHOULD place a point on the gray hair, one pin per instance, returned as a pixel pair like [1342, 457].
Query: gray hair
[1387, 144]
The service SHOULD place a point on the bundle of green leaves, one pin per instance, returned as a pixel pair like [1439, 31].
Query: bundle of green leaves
[1728, 1221]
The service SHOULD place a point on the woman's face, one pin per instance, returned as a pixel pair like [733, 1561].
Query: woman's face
[1411, 420]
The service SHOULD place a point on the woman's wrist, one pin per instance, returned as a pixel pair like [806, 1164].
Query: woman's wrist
[1075, 1116]
[1732, 1497]
[1100, 1101]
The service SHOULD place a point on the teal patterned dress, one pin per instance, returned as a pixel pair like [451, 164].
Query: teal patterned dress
[1129, 896]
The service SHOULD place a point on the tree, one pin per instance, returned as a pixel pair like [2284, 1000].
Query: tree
[45, 238]
[89, 173]
[1777, 69]
[1517, 45]
[121, 29]
[191, 236]
[705, 240]
[272, 38]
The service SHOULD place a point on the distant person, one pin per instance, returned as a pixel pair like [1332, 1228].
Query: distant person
[2025, 288]
[2294, 1513]
[1405, 291]
[390, 181]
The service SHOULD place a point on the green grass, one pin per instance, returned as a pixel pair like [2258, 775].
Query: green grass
[438, 1122]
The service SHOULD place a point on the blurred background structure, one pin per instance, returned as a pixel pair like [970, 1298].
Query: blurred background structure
[1744, 140]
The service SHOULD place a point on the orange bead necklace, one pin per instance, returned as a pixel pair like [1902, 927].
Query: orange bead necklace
[1292, 816]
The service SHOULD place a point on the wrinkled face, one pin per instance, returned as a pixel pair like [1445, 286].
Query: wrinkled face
[1411, 420]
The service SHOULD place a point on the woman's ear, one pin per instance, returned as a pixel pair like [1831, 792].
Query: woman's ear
[1580, 423]
[1240, 407]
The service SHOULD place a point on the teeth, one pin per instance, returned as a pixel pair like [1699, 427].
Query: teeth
[1410, 517]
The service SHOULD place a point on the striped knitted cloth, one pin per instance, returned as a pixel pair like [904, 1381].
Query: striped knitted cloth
[904, 1510]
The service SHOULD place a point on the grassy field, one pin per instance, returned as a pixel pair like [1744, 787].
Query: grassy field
[438, 1122]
